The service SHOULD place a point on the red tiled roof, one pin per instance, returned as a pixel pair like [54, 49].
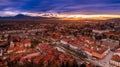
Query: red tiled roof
[116, 58]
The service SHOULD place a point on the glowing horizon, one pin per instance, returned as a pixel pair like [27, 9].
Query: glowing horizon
[63, 16]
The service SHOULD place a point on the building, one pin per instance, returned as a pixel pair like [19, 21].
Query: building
[115, 60]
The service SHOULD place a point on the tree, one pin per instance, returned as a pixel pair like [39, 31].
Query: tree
[62, 64]
[67, 64]
[82, 65]
[34, 43]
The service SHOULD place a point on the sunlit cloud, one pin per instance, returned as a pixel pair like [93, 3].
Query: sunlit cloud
[8, 13]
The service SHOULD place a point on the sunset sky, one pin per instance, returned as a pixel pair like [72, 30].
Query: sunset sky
[61, 8]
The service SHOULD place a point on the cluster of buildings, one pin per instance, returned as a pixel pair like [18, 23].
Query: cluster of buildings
[115, 60]
[87, 44]
[93, 39]
[21, 53]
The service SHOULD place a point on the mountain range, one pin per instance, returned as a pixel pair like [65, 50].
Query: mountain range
[22, 16]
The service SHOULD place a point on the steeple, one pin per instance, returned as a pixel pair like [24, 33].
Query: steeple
[12, 44]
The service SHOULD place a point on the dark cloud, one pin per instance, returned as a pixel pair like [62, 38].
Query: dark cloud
[62, 6]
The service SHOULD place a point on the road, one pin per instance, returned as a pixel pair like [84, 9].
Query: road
[106, 60]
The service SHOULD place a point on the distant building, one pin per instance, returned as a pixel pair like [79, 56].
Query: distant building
[100, 31]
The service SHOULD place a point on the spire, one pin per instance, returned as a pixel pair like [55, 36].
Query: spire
[12, 44]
